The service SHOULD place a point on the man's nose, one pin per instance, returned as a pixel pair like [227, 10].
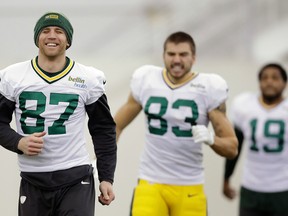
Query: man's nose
[52, 34]
[176, 58]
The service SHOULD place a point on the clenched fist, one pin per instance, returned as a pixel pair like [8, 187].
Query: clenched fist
[201, 134]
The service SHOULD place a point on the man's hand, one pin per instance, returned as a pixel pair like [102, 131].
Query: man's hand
[201, 134]
[229, 192]
[33, 144]
[107, 194]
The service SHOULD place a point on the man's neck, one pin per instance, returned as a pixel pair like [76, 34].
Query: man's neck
[52, 64]
[181, 80]
[269, 103]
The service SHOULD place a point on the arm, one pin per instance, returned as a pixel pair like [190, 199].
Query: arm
[102, 129]
[225, 140]
[126, 114]
[9, 138]
[230, 166]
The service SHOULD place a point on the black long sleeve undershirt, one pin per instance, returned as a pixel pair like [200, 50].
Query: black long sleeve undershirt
[230, 164]
[102, 128]
[9, 138]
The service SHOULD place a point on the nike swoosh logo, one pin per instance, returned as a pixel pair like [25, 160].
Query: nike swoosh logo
[83, 182]
[190, 195]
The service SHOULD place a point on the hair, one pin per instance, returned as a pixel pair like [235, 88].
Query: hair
[273, 65]
[181, 37]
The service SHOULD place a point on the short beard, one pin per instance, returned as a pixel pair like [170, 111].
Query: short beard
[269, 99]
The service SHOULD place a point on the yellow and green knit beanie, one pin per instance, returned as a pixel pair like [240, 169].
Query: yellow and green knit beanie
[53, 19]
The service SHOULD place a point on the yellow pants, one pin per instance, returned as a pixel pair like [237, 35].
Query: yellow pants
[152, 199]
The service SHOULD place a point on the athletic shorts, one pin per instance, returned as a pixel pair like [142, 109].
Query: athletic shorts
[74, 200]
[152, 199]
[276, 203]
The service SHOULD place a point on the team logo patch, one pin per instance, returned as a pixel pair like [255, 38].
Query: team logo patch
[22, 199]
[52, 16]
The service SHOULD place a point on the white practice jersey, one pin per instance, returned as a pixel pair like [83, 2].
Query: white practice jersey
[55, 105]
[266, 141]
[170, 155]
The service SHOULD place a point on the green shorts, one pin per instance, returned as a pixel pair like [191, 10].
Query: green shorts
[265, 202]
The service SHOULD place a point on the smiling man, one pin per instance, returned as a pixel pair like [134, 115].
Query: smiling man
[50, 96]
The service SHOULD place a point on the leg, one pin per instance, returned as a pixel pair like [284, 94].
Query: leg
[186, 200]
[252, 203]
[78, 199]
[147, 201]
[278, 203]
[33, 201]
[252, 212]
[263, 204]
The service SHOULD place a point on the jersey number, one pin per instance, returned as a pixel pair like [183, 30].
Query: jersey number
[279, 135]
[163, 102]
[55, 98]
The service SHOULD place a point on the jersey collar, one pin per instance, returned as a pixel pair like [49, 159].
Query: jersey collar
[173, 85]
[57, 76]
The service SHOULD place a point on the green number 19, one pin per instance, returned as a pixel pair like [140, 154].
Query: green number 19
[279, 135]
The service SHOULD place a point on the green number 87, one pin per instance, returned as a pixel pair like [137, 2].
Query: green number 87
[58, 125]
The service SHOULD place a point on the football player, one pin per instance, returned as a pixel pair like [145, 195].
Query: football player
[260, 121]
[178, 104]
[50, 96]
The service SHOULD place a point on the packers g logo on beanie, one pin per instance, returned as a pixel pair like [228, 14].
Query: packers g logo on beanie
[53, 19]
